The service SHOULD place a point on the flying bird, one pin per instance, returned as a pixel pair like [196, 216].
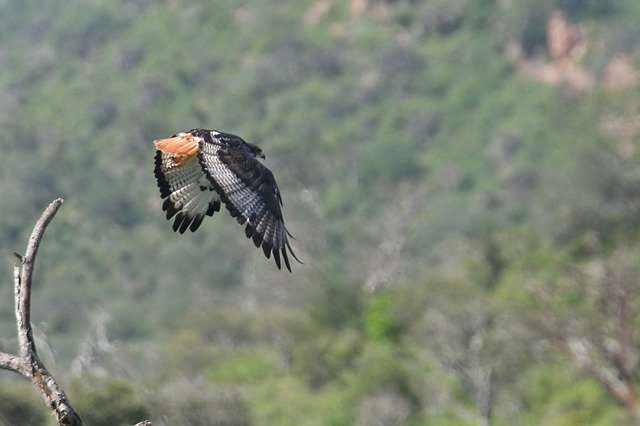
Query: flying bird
[199, 169]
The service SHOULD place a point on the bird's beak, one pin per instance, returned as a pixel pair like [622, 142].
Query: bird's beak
[261, 155]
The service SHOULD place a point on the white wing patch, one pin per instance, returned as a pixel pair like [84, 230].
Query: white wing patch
[188, 194]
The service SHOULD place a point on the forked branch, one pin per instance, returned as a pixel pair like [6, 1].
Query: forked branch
[27, 363]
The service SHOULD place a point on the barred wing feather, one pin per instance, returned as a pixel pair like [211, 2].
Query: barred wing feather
[250, 193]
[188, 195]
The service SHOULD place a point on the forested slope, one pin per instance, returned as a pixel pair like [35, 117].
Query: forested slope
[461, 178]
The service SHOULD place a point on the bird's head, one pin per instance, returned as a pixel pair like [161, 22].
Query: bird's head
[256, 151]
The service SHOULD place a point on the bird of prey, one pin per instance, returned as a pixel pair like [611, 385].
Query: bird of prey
[198, 169]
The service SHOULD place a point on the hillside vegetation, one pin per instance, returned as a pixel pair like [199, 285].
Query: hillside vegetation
[461, 177]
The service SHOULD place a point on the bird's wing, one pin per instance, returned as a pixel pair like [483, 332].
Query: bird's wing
[250, 193]
[188, 195]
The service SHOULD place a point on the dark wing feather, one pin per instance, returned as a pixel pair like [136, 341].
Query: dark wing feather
[250, 193]
[187, 193]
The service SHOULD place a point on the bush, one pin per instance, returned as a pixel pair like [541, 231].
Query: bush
[106, 401]
[379, 322]
[324, 358]
[525, 21]
[194, 402]
[20, 405]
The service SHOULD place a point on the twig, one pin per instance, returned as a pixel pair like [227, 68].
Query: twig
[28, 363]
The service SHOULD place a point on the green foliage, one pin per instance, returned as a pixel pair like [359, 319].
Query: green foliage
[338, 304]
[381, 367]
[288, 400]
[326, 357]
[20, 404]
[580, 9]
[562, 399]
[379, 321]
[242, 366]
[526, 22]
[107, 401]
[194, 402]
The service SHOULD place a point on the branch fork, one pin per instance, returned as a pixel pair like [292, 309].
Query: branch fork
[27, 363]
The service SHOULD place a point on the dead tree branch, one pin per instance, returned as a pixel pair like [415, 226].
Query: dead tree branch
[27, 363]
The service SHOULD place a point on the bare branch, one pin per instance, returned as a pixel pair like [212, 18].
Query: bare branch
[23, 280]
[621, 389]
[12, 363]
[28, 363]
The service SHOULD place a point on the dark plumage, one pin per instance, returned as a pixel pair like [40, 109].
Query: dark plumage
[198, 169]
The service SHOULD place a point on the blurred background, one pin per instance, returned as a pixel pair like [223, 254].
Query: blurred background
[461, 177]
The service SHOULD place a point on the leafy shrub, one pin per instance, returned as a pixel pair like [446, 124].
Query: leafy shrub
[242, 366]
[383, 408]
[194, 402]
[106, 401]
[20, 404]
[525, 21]
[326, 357]
[581, 9]
[379, 322]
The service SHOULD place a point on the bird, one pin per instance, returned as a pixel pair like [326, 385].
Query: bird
[199, 169]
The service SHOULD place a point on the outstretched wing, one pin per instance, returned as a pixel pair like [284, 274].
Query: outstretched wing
[188, 195]
[250, 193]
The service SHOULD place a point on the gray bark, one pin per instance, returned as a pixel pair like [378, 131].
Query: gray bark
[27, 362]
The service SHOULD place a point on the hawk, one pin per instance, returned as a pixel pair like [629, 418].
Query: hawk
[199, 169]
